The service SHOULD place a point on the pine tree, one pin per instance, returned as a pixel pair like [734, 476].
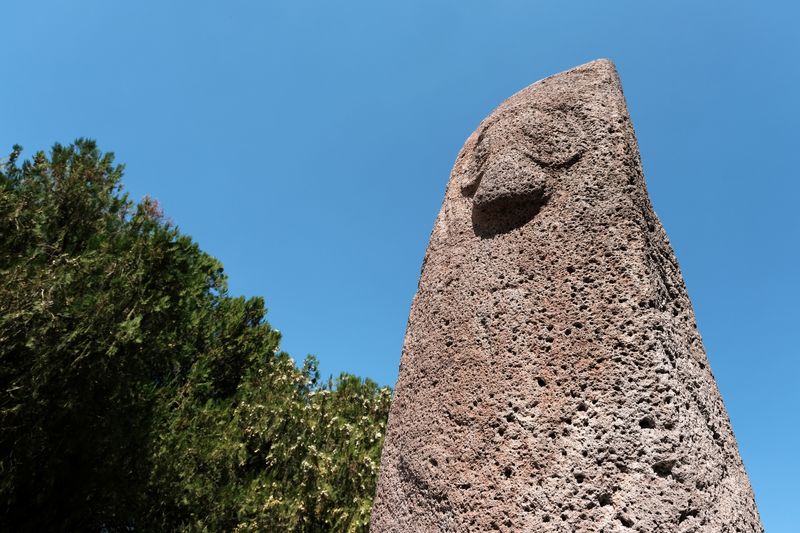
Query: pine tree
[136, 393]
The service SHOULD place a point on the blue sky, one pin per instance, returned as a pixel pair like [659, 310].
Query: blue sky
[307, 145]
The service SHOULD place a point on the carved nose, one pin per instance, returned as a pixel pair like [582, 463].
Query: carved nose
[509, 177]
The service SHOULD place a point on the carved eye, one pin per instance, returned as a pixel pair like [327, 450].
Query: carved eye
[552, 138]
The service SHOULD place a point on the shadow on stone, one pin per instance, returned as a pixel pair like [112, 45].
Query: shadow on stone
[506, 214]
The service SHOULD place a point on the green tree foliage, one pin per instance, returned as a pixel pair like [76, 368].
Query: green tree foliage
[136, 393]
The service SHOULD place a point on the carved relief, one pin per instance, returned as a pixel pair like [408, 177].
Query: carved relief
[515, 165]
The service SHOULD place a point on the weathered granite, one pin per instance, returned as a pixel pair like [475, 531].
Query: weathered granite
[552, 376]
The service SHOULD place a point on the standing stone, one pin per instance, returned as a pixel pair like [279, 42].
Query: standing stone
[552, 376]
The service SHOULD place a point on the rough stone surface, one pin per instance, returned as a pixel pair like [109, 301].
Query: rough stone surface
[552, 376]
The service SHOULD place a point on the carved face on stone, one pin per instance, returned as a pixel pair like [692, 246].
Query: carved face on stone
[516, 162]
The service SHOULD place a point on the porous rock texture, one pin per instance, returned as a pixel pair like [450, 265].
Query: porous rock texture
[552, 376]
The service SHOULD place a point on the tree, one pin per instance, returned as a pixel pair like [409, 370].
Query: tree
[135, 392]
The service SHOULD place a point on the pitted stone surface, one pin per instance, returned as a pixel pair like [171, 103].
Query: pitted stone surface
[552, 375]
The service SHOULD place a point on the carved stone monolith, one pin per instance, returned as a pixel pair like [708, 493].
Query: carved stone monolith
[552, 376]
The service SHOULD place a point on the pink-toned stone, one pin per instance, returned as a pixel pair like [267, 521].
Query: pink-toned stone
[552, 376]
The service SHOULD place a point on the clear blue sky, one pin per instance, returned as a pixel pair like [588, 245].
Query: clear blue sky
[307, 145]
